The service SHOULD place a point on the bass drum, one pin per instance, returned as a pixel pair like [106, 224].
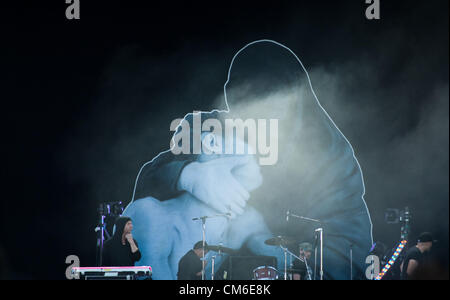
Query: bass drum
[265, 273]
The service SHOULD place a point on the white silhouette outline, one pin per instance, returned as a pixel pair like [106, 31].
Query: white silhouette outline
[228, 110]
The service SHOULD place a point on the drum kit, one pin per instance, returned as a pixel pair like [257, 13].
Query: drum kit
[270, 272]
[267, 272]
[283, 242]
[219, 249]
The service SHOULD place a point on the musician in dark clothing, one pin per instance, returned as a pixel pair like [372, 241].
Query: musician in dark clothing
[414, 256]
[304, 269]
[190, 265]
[121, 249]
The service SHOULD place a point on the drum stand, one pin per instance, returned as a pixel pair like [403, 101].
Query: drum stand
[286, 251]
[213, 261]
[307, 268]
[291, 265]
[213, 258]
[203, 246]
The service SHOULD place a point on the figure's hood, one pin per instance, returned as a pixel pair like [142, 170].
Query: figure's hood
[267, 80]
[261, 69]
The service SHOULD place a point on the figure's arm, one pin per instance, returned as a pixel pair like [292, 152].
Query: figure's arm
[210, 179]
[411, 268]
[194, 269]
[182, 271]
[187, 270]
[159, 178]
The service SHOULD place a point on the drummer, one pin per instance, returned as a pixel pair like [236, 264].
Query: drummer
[304, 269]
[190, 265]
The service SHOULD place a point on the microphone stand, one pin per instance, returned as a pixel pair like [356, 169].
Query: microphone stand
[105, 212]
[351, 262]
[320, 230]
[101, 232]
[315, 260]
[203, 219]
[289, 214]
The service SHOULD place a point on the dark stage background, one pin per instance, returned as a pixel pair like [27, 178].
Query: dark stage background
[86, 102]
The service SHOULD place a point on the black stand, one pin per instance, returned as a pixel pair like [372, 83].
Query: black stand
[110, 209]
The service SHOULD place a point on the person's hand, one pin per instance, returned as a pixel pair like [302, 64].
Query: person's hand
[129, 237]
[213, 183]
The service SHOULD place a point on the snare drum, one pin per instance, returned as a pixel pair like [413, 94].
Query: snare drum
[265, 273]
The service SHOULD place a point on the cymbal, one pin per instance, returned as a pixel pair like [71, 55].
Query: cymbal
[280, 241]
[220, 249]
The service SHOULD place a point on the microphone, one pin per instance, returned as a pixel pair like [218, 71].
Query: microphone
[287, 216]
[207, 217]
[316, 240]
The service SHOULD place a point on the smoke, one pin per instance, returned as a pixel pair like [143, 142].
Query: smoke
[399, 132]
[403, 150]
[401, 141]
[397, 125]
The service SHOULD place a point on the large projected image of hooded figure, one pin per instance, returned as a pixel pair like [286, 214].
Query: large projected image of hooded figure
[166, 230]
[316, 174]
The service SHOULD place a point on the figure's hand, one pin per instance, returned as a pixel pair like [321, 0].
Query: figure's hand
[213, 183]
